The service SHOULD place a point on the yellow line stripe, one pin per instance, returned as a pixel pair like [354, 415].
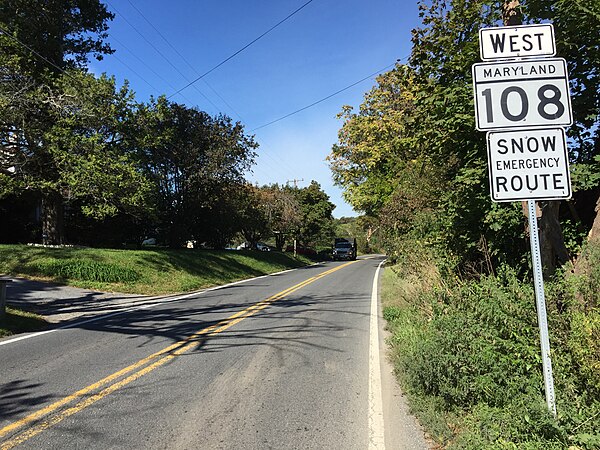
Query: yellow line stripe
[175, 349]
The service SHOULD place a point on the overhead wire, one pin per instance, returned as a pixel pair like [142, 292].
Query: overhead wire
[162, 55]
[325, 98]
[62, 70]
[134, 72]
[184, 59]
[243, 48]
[239, 51]
[144, 63]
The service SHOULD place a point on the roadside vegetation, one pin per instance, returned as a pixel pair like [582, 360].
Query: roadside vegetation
[466, 352]
[150, 272]
[458, 291]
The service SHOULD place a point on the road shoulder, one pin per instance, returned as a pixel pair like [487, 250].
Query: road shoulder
[402, 430]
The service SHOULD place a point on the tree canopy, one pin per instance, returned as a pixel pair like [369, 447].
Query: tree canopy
[91, 156]
[411, 159]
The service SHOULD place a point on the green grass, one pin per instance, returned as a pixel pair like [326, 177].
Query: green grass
[17, 321]
[149, 272]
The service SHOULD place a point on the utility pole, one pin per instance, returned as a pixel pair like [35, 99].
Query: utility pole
[295, 181]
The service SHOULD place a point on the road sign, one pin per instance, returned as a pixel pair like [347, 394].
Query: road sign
[522, 94]
[523, 41]
[528, 165]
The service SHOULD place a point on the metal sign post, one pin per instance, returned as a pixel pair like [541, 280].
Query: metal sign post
[540, 298]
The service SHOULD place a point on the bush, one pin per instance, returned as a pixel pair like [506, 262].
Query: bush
[84, 270]
[469, 352]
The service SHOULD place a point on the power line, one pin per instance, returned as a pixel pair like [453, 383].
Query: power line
[242, 49]
[162, 55]
[325, 98]
[144, 63]
[134, 72]
[157, 30]
[10, 36]
[150, 68]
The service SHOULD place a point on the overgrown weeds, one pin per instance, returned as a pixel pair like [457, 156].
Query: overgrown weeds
[467, 354]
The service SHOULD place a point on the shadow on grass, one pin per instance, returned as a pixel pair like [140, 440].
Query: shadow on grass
[219, 265]
[17, 321]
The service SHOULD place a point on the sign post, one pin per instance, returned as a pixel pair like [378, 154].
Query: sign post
[540, 298]
[522, 103]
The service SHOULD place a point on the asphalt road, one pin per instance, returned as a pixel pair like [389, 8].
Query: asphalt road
[278, 362]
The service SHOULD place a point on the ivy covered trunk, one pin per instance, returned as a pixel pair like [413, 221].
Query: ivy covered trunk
[594, 235]
[582, 265]
[552, 241]
[52, 219]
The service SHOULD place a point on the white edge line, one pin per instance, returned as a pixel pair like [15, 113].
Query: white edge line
[140, 307]
[376, 423]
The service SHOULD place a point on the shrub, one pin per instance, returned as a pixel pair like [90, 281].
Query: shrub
[84, 270]
[471, 349]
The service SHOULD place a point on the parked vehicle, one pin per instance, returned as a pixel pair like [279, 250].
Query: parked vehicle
[261, 246]
[344, 249]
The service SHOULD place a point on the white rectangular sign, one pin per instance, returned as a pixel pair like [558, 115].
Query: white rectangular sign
[520, 41]
[522, 94]
[528, 165]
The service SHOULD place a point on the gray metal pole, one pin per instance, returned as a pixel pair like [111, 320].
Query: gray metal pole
[538, 281]
[3, 283]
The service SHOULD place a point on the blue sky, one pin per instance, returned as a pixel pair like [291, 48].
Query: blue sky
[325, 47]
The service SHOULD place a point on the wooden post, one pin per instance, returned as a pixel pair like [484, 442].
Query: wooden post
[511, 13]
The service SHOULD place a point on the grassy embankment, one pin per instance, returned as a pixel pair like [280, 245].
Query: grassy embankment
[149, 272]
[467, 355]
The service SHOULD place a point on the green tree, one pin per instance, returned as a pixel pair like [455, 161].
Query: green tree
[42, 46]
[316, 225]
[74, 154]
[411, 158]
[253, 211]
[282, 211]
[196, 163]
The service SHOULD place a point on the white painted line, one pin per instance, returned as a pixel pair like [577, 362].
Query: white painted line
[140, 307]
[376, 428]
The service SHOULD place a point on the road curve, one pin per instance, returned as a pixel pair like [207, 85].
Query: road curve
[278, 362]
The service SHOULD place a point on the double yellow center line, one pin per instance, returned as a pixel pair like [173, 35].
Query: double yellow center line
[89, 395]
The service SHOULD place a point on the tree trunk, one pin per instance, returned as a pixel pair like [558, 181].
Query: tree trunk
[279, 240]
[53, 219]
[582, 265]
[594, 235]
[552, 241]
[511, 13]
